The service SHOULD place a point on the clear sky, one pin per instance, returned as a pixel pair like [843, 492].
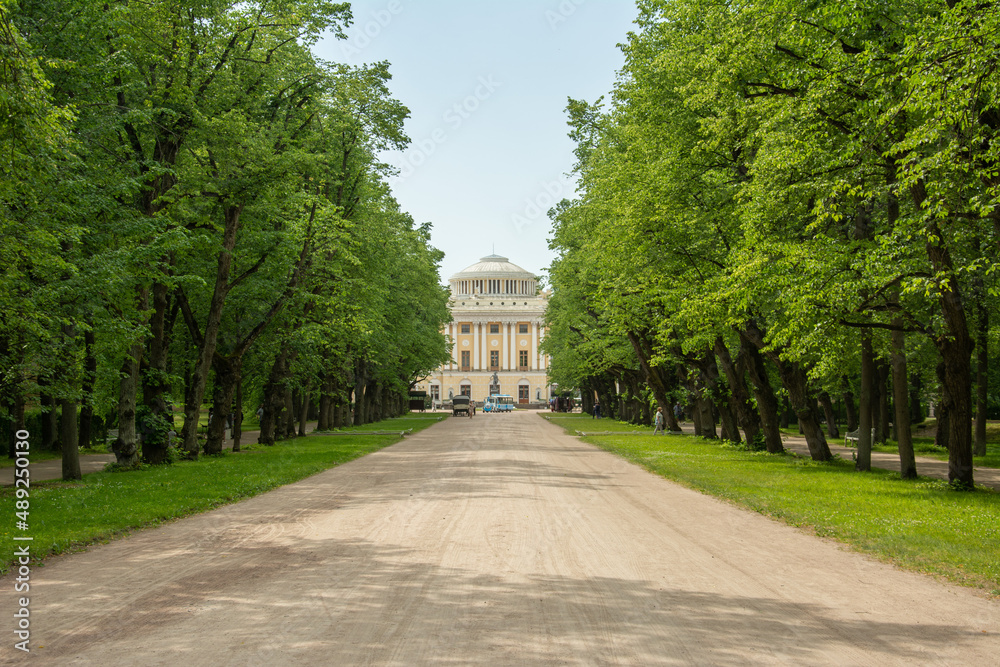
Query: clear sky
[487, 85]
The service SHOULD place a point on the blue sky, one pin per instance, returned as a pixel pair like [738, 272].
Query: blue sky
[487, 85]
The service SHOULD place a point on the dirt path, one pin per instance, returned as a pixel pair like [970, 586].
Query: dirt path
[500, 541]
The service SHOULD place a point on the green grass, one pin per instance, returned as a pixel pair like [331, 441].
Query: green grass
[588, 424]
[924, 446]
[921, 525]
[66, 516]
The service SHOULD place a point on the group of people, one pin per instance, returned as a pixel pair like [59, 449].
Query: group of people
[659, 421]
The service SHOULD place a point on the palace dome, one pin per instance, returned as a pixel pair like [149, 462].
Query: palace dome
[494, 274]
[494, 265]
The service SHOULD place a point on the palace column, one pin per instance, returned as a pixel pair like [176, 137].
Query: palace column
[511, 347]
[475, 346]
[484, 326]
[504, 331]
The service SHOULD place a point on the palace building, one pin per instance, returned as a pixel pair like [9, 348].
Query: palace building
[497, 325]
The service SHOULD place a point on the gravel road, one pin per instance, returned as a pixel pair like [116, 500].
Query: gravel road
[495, 540]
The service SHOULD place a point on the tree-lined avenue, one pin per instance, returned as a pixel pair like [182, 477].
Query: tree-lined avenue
[494, 539]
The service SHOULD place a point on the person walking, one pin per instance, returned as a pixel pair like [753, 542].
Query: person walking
[658, 421]
[597, 411]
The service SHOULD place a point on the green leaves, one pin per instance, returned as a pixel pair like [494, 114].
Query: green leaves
[818, 168]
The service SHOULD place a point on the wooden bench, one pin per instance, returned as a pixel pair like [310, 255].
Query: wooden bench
[855, 436]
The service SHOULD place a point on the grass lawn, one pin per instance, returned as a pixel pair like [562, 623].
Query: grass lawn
[921, 525]
[69, 515]
[924, 445]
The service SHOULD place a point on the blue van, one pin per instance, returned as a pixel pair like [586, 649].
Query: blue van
[499, 403]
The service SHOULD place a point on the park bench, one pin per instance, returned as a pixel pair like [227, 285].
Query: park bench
[855, 436]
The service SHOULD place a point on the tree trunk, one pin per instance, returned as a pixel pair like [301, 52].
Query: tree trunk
[296, 408]
[672, 424]
[866, 407]
[89, 380]
[956, 379]
[18, 420]
[916, 396]
[303, 412]
[238, 417]
[192, 406]
[325, 404]
[901, 419]
[982, 377]
[831, 419]
[70, 442]
[793, 378]
[655, 379]
[767, 402]
[50, 418]
[228, 373]
[360, 381]
[273, 399]
[330, 397]
[884, 373]
[703, 405]
[125, 447]
[155, 384]
[852, 415]
[748, 418]
[288, 415]
[785, 417]
[955, 347]
[337, 416]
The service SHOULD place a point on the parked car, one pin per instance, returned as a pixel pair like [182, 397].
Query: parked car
[460, 406]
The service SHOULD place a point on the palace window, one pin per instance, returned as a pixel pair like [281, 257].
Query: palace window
[522, 328]
[466, 358]
[494, 328]
[522, 360]
[494, 360]
[466, 328]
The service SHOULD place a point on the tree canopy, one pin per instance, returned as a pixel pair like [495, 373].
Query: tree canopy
[788, 203]
[193, 209]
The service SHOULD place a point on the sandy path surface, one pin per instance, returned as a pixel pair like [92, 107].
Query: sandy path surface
[499, 541]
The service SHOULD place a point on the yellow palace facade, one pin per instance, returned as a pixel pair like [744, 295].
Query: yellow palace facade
[496, 330]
